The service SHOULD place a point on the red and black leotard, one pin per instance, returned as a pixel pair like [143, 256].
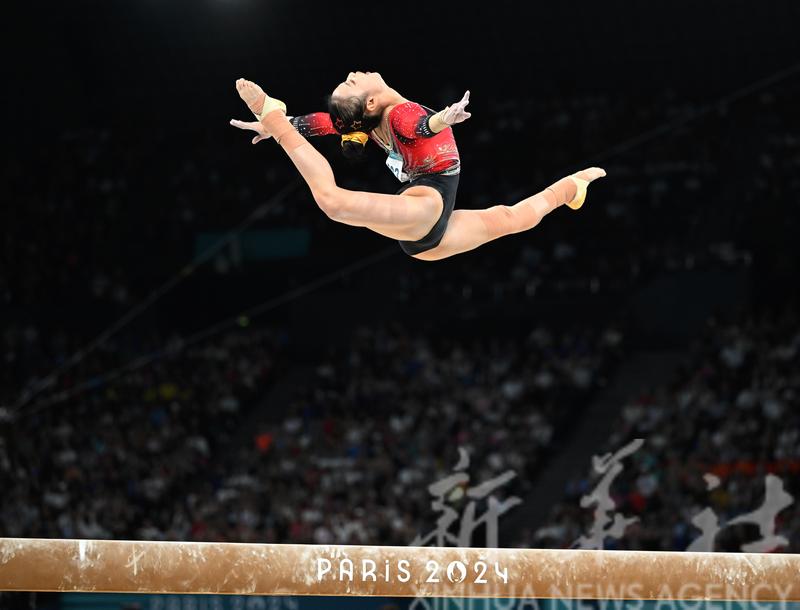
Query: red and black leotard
[423, 152]
[429, 159]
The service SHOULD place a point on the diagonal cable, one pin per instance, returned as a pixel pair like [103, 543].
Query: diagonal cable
[210, 331]
[259, 212]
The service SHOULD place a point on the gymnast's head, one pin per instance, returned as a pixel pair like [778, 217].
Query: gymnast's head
[364, 85]
[356, 107]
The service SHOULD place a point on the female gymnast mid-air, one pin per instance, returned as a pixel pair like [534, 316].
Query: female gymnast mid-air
[422, 154]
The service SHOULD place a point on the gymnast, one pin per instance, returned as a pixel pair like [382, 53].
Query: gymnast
[421, 153]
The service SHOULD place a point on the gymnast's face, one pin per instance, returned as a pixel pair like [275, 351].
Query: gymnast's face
[360, 84]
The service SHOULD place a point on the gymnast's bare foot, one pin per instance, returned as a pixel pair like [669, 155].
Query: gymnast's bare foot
[259, 103]
[592, 173]
[252, 95]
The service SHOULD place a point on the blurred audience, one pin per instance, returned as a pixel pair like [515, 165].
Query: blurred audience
[189, 446]
[730, 418]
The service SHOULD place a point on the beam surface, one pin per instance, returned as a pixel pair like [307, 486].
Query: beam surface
[30, 564]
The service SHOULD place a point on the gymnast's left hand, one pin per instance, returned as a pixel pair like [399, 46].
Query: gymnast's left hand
[457, 112]
[256, 126]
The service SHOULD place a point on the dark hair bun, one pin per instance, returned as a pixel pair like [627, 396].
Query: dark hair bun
[348, 116]
[353, 151]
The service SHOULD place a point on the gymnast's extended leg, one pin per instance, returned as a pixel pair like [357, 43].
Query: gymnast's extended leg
[409, 216]
[469, 229]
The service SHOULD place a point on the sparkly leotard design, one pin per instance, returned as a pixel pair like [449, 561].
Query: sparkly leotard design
[423, 152]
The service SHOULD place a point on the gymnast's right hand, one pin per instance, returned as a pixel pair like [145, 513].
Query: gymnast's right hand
[261, 133]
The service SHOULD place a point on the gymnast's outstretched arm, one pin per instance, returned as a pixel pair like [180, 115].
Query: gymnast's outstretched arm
[307, 125]
[411, 121]
[450, 115]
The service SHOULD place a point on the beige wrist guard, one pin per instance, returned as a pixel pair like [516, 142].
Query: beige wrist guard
[436, 123]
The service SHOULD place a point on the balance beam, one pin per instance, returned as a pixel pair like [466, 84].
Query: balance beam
[32, 564]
